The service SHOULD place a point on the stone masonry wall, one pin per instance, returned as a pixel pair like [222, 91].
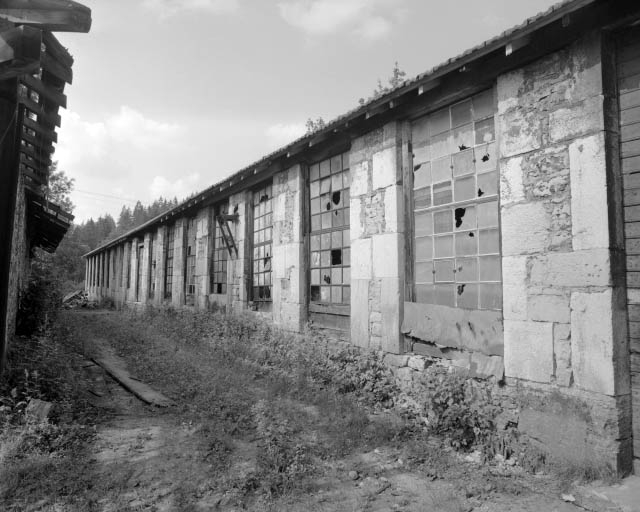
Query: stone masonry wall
[564, 329]
[377, 239]
[289, 299]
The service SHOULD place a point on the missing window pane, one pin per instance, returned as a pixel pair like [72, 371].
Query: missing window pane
[336, 257]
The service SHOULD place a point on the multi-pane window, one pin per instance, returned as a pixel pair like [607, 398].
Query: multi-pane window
[220, 253]
[168, 262]
[190, 260]
[330, 241]
[456, 228]
[262, 245]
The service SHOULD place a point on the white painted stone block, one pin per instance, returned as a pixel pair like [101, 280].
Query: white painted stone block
[592, 341]
[549, 308]
[577, 120]
[511, 187]
[393, 207]
[356, 227]
[514, 287]
[509, 87]
[528, 350]
[385, 168]
[525, 229]
[577, 268]
[386, 255]
[589, 210]
[360, 312]
[361, 266]
[278, 263]
[360, 178]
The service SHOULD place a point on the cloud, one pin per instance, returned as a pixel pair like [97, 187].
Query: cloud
[282, 134]
[168, 8]
[370, 19]
[180, 188]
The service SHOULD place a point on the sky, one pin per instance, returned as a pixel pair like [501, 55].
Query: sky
[171, 96]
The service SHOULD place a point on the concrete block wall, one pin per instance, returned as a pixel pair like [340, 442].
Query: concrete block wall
[238, 265]
[288, 272]
[203, 221]
[177, 288]
[564, 323]
[377, 228]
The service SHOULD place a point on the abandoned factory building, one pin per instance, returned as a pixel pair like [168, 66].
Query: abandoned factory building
[486, 212]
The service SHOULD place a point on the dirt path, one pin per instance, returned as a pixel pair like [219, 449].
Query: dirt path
[166, 459]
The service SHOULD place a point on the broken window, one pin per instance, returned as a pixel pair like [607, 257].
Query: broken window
[262, 243]
[168, 262]
[330, 238]
[219, 253]
[456, 218]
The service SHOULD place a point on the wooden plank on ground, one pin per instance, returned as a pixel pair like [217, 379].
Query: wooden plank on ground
[143, 391]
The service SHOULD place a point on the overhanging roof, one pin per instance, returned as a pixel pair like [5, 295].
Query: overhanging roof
[514, 46]
[47, 222]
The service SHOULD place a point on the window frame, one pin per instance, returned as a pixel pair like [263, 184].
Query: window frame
[448, 238]
[258, 231]
[169, 245]
[219, 259]
[190, 259]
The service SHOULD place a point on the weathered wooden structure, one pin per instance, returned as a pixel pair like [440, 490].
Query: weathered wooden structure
[34, 68]
[485, 212]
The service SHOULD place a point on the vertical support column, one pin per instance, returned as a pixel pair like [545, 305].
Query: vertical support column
[238, 266]
[377, 239]
[289, 274]
[177, 295]
[126, 269]
[203, 220]
[145, 269]
[160, 262]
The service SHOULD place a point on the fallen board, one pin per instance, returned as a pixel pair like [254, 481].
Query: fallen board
[137, 387]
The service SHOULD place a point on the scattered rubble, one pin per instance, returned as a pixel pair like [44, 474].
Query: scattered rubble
[77, 299]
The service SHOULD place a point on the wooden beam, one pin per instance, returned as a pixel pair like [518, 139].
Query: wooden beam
[56, 68]
[42, 158]
[41, 131]
[56, 50]
[54, 15]
[45, 91]
[38, 143]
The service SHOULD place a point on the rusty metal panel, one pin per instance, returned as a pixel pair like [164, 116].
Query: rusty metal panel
[474, 330]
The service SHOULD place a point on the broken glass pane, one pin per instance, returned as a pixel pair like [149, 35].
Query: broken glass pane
[441, 169]
[443, 222]
[490, 269]
[420, 131]
[467, 296]
[442, 193]
[483, 104]
[443, 270]
[314, 172]
[489, 241]
[488, 214]
[441, 145]
[445, 294]
[463, 138]
[424, 248]
[486, 159]
[421, 155]
[443, 246]
[424, 272]
[461, 113]
[424, 293]
[490, 296]
[336, 256]
[466, 270]
[465, 218]
[336, 199]
[325, 168]
[465, 188]
[488, 184]
[423, 224]
[485, 131]
[463, 163]
[422, 198]
[465, 244]
[422, 176]
[439, 122]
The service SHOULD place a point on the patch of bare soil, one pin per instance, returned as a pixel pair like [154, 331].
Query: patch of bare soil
[237, 438]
